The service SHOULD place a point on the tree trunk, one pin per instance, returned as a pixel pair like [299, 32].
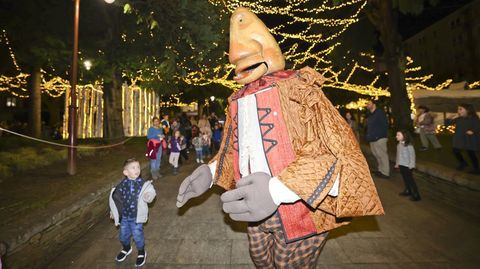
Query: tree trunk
[384, 17]
[35, 103]
[112, 94]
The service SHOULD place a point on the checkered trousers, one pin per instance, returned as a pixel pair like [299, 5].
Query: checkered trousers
[269, 250]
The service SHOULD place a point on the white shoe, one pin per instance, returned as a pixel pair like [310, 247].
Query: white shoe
[201, 161]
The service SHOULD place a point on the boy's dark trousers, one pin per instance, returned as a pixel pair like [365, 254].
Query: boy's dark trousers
[410, 185]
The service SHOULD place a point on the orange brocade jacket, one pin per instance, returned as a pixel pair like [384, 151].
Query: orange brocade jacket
[322, 146]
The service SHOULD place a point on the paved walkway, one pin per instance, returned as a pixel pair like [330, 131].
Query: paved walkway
[427, 234]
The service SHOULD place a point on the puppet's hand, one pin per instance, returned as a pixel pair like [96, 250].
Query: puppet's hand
[251, 200]
[194, 185]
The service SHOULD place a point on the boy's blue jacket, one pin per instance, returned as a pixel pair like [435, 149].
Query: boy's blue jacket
[115, 202]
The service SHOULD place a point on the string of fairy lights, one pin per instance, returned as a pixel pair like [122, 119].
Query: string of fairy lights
[319, 34]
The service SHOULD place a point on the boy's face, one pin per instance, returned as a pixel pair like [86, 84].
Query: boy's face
[132, 170]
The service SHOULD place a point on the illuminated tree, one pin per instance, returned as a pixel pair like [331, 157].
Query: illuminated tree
[37, 32]
[384, 16]
[155, 42]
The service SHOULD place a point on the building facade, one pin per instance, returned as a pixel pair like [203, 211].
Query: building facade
[450, 48]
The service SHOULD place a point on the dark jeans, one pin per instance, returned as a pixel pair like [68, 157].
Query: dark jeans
[129, 228]
[472, 154]
[410, 185]
[216, 145]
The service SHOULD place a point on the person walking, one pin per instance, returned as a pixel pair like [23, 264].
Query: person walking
[155, 136]
[405, 161]
[128, 203]
[175, 151]
[377, 128]
[466, 137]
[425, 125]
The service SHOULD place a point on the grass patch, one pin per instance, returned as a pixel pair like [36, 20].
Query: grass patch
[18, 154]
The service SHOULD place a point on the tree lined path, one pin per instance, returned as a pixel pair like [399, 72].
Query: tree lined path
[426, 234]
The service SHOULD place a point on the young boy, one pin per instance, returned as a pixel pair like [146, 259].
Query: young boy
[129, 209]
[175, 151]
[198, 144]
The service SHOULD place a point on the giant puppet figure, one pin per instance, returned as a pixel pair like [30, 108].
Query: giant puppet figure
[289, 162]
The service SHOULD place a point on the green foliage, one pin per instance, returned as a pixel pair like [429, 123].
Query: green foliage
[161, 40]
[27, 158]
[37, 31]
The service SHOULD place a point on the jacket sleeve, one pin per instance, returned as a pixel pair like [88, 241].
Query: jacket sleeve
[326, 150]
[411, 155]
[151, 194]
[224, 175]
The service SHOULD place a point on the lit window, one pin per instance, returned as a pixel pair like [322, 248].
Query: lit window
[11, 102]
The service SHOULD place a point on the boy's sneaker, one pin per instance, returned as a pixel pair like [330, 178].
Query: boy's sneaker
[141, 258]
[198, 160]
[123, 254]
[201, 161]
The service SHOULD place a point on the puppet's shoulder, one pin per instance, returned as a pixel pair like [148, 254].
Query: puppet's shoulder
[309, 76]
[305, 87]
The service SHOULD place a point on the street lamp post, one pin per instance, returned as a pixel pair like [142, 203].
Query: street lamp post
[72, 109]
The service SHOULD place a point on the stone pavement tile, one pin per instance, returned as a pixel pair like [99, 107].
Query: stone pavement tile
[332, 253]
[373, 227]
[243, 266]
[204, 252]
[162, 251]
[419, 249]
[354, 266]
[371, 250]
[191, 229]
[185, 266]
[236, 230]
[424, 265]
[240, 253]
[461, 249]
[67, 260]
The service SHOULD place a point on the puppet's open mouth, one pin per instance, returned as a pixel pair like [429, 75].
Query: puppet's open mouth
[259, 68]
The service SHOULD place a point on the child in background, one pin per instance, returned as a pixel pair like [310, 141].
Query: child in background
[175, 151]
[128, 208]
[217, 136]
[206, 144]
[406, 162]
[198, 144]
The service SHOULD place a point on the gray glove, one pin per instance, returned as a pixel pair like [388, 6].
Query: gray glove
[194, 185]
[251, 200]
